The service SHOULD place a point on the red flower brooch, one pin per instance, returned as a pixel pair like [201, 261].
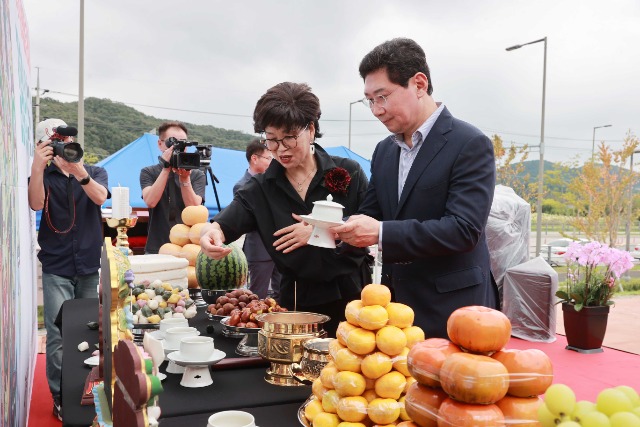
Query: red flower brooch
[337, 180]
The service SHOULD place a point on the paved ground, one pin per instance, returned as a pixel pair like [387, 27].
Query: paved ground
[623, 326]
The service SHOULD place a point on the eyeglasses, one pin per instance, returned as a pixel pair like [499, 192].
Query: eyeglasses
[266, 157]
[289, 141]
[379, 100]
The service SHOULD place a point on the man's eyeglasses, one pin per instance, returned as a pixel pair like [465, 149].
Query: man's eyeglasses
[379, 100]
[289, 141]
[265, 157]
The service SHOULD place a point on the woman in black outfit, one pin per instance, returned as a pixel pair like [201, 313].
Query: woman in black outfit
[313, 279]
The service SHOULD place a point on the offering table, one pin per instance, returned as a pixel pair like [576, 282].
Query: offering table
[238, 383]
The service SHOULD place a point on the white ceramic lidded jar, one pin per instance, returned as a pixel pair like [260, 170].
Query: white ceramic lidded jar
[327, 210]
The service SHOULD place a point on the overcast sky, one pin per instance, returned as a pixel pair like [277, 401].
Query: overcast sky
[219, 57]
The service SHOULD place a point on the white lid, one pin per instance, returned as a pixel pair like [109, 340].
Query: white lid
[329, 203]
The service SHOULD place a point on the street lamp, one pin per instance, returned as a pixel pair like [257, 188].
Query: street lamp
[350, 105]
[593, 142]
[541, 166]
[628, 229]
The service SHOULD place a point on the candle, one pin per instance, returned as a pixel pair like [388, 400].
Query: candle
[120, 202]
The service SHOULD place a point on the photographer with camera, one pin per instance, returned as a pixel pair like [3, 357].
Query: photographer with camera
[171, 185]
[70, 235]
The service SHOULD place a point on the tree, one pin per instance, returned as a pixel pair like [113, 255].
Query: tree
[606, 187]
[509, 173]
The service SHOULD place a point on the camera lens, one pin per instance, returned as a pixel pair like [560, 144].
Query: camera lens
[72, 152]
[169, 141]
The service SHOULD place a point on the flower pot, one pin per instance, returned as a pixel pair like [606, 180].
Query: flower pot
[585, 329]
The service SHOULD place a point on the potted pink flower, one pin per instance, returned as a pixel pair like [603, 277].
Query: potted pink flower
[592, 271]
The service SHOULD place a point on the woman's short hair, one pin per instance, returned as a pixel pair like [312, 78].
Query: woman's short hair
[289, 106]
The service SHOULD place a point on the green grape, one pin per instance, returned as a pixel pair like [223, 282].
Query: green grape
[636, 410]
[560, 399]
[631, 394]
[568, 424]
[595, 419]
[546, 418]
[624, 419]
[611, 401]
[582, 407]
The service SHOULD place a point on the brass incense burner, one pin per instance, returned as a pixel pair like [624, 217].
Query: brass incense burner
[281, 340]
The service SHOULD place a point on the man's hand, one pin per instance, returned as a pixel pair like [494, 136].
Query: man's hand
[293, 236]
[166, 154]
[183, 174]
[75, 169]
[43, 154]
[211, 240]
[360, 231]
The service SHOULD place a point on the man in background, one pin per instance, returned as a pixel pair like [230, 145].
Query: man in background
[167, 190]
[262, 269]
[70, 235]
[430, 193]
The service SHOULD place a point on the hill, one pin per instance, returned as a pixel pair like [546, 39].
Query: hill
[109, 126]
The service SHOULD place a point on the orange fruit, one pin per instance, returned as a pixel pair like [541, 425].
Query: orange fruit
[372, 317]
[375, 294]
[312, 409]
[414, 334]
[400, 315]
[383, 411]
[400, 362]
[391, 340]
[391, 385]
[327, 374]
[351, 311]
[325, 419]
[376, 365]
[352, 408]
[361, 341]
[343, 330]
[329, 401]
[346, 360]
[348, 383]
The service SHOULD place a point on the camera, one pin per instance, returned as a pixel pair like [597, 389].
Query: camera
[71, 151]
[180, 159]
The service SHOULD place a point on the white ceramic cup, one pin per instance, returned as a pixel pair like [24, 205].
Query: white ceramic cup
[172, 336]
[172, 323]
[231, 419]
[196, 348]
[322, 238]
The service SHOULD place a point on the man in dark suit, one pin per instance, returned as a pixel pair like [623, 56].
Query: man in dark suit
[262, 270]
[430, 192]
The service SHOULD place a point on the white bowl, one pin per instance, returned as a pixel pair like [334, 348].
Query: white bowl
[196, 348]
[173, 336]
[172, 323]
[231, 419]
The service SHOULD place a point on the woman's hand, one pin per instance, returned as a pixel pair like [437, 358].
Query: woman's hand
[293, 236]
[211, 240]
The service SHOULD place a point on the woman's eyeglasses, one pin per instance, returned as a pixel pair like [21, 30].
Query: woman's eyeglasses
[289, 141]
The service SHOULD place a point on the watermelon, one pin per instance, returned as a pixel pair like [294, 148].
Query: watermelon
[229, 272]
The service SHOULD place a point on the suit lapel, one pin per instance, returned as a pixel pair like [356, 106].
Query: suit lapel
[430, 147]
[392, 161]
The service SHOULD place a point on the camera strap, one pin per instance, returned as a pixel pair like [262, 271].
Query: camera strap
[71, 204]
[173, 202]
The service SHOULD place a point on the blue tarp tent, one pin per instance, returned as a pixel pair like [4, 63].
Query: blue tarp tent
[227, 165]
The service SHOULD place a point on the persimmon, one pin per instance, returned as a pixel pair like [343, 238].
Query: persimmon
[479, 329]
[425, 359]
[520, 411]
[530, 371]
[422, 404]
[473, 378]
[458, 414]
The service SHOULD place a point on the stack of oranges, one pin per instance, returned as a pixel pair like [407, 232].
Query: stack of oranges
[185, 239]
[365, 382]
